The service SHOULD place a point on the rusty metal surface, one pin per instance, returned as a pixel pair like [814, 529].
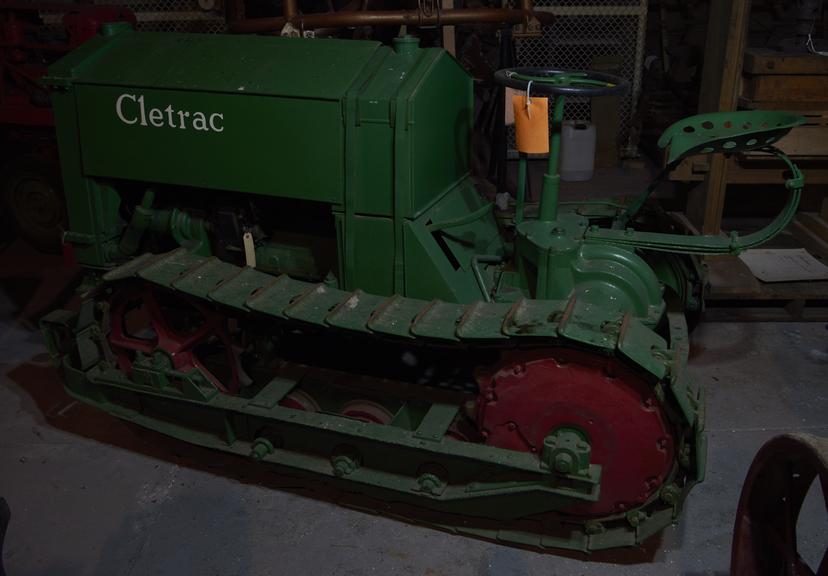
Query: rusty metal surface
[779, 479]
[419, 17]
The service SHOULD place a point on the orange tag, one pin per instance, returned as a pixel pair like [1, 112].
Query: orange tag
[531, 124]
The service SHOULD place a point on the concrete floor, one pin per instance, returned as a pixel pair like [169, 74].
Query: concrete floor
[92, 496]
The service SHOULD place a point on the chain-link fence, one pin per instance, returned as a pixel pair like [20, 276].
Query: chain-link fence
[175, 15]
[206, 16]
[587, 34]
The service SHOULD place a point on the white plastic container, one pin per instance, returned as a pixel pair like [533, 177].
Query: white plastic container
[577, 150]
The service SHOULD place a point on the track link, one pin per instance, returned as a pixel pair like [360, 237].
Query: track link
[421, 466]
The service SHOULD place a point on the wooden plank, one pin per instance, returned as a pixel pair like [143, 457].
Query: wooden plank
[815, 117]
[801, 107]
[724, 53]
[795, 310]
[786, 87]
[810, 241]
[811, 290]
[771, 176]
[705, 204]
[802, 141]
[729, 277]
[764, 61]
[723, 56]
[808, 290]
[695, 170]
[814, 223]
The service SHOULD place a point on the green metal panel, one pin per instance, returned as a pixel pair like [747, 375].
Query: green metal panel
[374, 137]
[374, 254]
[429, 274]
[375, 132]
[256, 144]
[219, 63]
[374, 176]
[477, 236]
[441, 244]
[425, 98]
[92, 209]
[439, 121]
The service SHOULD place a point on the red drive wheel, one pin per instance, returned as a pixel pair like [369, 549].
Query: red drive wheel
[533, 394]
[142, 320]
[776, 486]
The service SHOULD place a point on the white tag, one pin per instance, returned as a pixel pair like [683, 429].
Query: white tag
[249, 250]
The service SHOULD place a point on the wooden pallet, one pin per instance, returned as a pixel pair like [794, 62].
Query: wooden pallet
[771, 76]
[769, 79]
[753, 171]
[788, 88]
[766, 62]
[735, 294]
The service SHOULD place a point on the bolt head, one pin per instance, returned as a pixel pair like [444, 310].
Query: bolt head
[593, 527]
[669, 494]
[261, 448]
[343, 465]
[258, 452]
[564, 463]
[634, 518]
[429, 483]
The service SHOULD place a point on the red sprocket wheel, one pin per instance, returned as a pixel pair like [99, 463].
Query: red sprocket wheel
[139, 323]
[532, 394]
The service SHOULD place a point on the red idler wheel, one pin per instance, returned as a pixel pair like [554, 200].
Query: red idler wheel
[533, 394]
[367, 411]
[777, 483]
[152, 331]
[300, 400]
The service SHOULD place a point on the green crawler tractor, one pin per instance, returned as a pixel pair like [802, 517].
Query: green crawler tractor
[288, 260]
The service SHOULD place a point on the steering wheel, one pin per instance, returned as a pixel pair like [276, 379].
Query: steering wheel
[562, 82]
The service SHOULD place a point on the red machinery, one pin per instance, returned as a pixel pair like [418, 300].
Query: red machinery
[29, 43]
